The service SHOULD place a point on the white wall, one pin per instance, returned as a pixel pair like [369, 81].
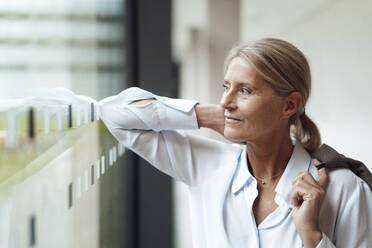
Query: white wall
[341, 101]
[336, 38]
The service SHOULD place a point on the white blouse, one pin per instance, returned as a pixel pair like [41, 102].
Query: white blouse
[222, 190]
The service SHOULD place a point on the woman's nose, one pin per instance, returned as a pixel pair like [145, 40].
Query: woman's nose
[228, 100]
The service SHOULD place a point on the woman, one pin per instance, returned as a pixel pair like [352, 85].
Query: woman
[264, 190]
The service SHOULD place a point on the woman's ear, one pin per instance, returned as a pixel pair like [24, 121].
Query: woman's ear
[292, 103]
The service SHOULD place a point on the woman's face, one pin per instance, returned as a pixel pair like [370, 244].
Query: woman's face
[252, 110]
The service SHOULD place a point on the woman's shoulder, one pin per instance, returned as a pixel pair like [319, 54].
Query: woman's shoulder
[345, 213]
[344, 185]
[340, 177]
[344, 179]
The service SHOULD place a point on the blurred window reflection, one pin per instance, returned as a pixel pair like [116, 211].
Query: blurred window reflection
[60, 180]
[79, 45]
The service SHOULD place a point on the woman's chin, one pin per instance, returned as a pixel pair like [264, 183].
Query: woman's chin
[233, 136]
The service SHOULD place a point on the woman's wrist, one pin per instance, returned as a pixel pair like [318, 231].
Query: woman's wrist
[210, 116]
[310, 239]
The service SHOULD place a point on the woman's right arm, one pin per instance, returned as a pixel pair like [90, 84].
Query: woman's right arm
[153, 127]
[210, 116]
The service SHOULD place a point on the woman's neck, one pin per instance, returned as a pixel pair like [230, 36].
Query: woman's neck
[269, 157]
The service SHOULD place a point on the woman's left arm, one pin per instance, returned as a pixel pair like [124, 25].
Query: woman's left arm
[307, 196]
[354, 217]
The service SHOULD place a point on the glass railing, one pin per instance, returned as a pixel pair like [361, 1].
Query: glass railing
[62, 174]
[53, 157]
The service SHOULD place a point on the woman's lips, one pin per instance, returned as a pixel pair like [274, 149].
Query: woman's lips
[232, 121]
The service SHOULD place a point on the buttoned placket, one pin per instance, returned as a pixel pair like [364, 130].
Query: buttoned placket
[250, 193]
[276, 217]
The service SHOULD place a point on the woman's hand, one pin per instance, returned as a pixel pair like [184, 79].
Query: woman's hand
[307, 197]
[211, 116]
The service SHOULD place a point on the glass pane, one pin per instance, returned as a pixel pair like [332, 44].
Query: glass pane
[61, 172]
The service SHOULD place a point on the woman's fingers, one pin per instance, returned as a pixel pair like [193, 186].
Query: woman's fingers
[322, 173]
[316, 162]
[306, 176]
[323, 178]
[306, 188]
[304, 191]
[306, 197]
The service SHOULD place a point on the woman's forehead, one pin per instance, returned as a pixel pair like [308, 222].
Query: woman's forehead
[240, 71]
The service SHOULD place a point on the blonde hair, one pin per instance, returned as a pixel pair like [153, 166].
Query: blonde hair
[285, 69]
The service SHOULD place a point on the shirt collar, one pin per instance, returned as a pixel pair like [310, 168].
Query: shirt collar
[242, 175]
[300, 161]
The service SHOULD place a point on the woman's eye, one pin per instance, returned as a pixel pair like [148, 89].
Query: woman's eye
[245, 91]
[226, 88]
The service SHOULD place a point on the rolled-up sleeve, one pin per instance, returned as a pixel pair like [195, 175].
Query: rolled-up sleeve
[156, 132]
[163, 114]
